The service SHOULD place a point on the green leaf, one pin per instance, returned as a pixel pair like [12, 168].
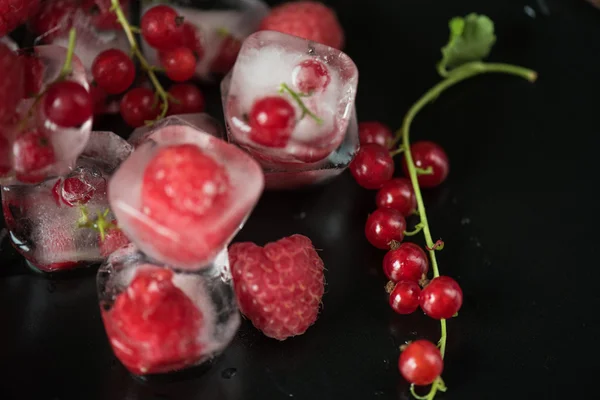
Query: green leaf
[471, 39]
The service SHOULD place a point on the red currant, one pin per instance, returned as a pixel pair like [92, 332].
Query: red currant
[375, 132]
[72, 191]
[421, 363]
[372, 166]
[192, 40]
[226, 56]
[441, 298]
[179, 63]
[113, 71]
[53, 18]
[407, 262]
[398, 194]
[68, 104]
[5, 155]
[383, 226]
[32, 153]
[310, 76]
[427, 154]
[189, 97]
[137, 107]
[404, 298]
[272, 120]
[161, 27]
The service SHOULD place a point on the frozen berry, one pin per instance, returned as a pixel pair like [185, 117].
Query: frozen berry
[15, 12]
[272, 120]
[189, 99]
[153, 326]
[12, 82]
[310, 76]
[407, 262]
[226, 55]
[113, 71]
[421, 363]
[68, 104]
[113, 240]
[179, 63]
[310, 20]
[427, 155]
[372, 166]
[398, 194]
[404, 298]
[161, 27]
[441, 298]
[383, 226]
[279, 286]
[375, 132]
[32, 152]
[138, 106]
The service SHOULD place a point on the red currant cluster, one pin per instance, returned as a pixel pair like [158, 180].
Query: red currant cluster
[406, 264]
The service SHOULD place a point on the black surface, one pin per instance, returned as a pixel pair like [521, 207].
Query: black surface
[517, 213]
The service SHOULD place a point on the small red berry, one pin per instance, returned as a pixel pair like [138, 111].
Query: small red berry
[407, 262]
[179, 63]
[68, 104]
[272, 120]
[161, 27]
[192, 40]
[398, 194]
[441, 298]
[113, 240]
[32, 152]
[73, 191]
[113, 71]
[404, 298]
[372, 166]
[310, 76]
[189, 99]
[375, 132]
[427, 154]
[53, 18]
[383, 226]
[138, 106]
[226, 56]
[421, 363]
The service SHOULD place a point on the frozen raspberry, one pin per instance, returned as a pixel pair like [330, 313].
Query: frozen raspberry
[15, 12]
[279, 286]
[310, 20]
[32, 152]
[153, 326]
[114, 240]
[181, 186]
[53, 18]
[226, 56]
[11, 84]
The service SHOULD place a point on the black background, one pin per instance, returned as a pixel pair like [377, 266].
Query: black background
[518, 216]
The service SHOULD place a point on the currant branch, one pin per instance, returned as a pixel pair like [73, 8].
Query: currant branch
[297, 98]
[459, 74]
[129, 30]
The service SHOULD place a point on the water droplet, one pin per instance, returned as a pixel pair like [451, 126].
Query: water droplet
[228, 373]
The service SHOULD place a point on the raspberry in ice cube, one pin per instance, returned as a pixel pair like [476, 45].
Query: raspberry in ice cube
[183, 193]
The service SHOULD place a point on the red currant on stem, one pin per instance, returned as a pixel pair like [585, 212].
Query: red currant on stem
[372, 166]
[375, 132]
[310, 76]
[113, 71]
[187, 99]
[428, 156]
[179, 63]
[398, 194]
[405, 261]
[441, 298]
[383, 226]
[138, 106]
[421, 362]
[32, 152]
[404, 297]
[272, 120]
[161, 27]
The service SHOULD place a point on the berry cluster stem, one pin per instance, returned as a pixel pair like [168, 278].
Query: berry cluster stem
[135, 50]
[453, 77]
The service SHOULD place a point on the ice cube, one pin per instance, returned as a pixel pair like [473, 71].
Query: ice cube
[43, 66]
[312, 78]
[220, 27]
[160, 320]
[43, 219]
[183, 194]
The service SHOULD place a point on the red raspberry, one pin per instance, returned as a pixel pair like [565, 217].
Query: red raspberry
[11, 84]
[226, 56]
[113, 240]
[154, 326]
[310, 20]
[55, 16]
[278, 287]
[15, 12]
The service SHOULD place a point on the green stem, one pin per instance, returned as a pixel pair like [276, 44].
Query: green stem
[305, 111]
[68, 65]
[418, 228]
[457, 75]
[399, 150]
[135, 50]
[438, 384]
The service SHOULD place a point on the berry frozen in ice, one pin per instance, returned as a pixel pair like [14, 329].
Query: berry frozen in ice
[272, 120]
[279, 286]
[310, 76]
[113, 240]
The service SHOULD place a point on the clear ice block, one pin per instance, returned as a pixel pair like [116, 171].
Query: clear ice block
[274, 64]
[183, 193]
[43, 219]
[220, 27]
[43, 67]
[161, 320]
